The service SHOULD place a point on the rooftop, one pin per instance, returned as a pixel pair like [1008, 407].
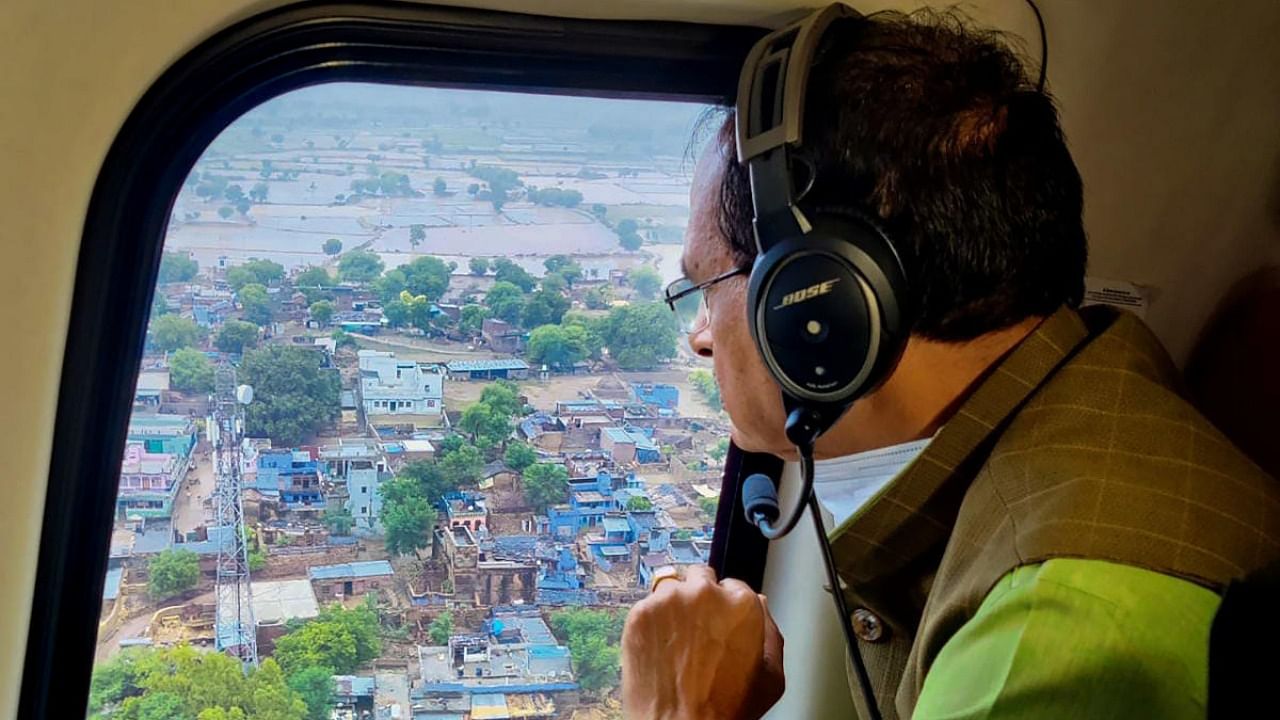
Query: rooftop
[616, 524]
[371, 568]
[275, 601]
[474, 365]
[353, 685]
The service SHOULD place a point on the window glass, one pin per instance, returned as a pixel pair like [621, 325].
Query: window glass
[413, 429]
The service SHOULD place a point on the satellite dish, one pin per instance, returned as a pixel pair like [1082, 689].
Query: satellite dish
[244, 394]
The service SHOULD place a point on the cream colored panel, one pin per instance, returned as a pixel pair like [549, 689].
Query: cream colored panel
[813, 651]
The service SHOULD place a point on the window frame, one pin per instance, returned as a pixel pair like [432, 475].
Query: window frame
[234, 70]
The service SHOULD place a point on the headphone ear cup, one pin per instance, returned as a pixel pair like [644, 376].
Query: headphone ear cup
[826, 311]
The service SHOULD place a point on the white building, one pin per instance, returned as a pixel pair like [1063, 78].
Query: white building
[358, 464]
[398, 387]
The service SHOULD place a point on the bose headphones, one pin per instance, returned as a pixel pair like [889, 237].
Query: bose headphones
[828, 299]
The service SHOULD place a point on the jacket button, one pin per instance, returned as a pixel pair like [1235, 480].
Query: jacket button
[867, 625]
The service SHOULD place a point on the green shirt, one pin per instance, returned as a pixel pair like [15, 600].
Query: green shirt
[1072, 638]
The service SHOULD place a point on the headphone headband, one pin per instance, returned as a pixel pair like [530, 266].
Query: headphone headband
[770, 120]
[771, 88]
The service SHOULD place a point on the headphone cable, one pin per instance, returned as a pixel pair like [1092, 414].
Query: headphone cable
[1044, 46]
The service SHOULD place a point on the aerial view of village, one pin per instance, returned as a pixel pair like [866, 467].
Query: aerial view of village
[413, 428]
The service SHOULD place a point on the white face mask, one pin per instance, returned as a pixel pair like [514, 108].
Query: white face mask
[845, 484]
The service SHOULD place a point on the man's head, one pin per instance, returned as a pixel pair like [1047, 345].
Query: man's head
[935, 130]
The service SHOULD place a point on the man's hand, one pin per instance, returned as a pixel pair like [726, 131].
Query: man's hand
[697, 649]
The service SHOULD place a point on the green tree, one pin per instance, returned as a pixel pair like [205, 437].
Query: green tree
[449, 445]
[519, 456]
[463, 466]
[598, 298]
[417, 309]
[719, 450]
[441, 628]
[554, 283]
[639, 503]
[640, 336]
[172, 571]
[316, 688]
[707, 505]
[506, 301]
[171, 332]
[439, 187]
[159, 306]
[359, 266]
[177, 267]
[390, 285]
[407, 517]
[255, 303]
[332, 246]
[646, 281]
[314, 282]
[628, 235]
[157, 706]
[258, 193]
[471, 319]
[487, 426]
[592, 332]
[343, 339]
[115, 679]
[262, 272]
[504, 397]
[339, 522]
[396, 313]
[565, 267]
[191, 371]
[339, 638]
[558, 346]
[431, 477]
[293, 396]
[546, 484]
[417, 233]
[544, 308]
[478, 265]
[226, 211]
[321, 311]
[592, 637]
[706, 385]
[235, 336]
[505, 270]
[428, 276]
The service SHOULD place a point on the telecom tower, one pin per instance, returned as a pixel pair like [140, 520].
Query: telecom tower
[236, 630]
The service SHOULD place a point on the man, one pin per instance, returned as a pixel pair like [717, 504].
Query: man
[1058, 548]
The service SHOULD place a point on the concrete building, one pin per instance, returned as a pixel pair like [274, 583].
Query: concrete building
[514, 669]
[501, 336]
[467, 510]
[398, 387]
[149, 481]
[356, 469]
[295, 478]
[628, 445]
[662, 395]
[589, 500]
[347, 579]
[276, 602]
[152, 387]
[510, 369]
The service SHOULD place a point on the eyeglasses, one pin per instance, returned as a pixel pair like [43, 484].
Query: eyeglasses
[689, 301]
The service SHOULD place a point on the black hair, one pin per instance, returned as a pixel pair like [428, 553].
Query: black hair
[934, 129]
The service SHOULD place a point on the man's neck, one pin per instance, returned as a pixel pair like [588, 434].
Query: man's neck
[930, 382]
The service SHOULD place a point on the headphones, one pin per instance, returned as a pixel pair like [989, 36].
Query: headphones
[828, 299]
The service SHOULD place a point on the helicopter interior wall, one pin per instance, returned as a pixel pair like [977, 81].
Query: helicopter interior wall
[1170, 110]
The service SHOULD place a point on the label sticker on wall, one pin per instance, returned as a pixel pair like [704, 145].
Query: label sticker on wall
[1116, 293]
